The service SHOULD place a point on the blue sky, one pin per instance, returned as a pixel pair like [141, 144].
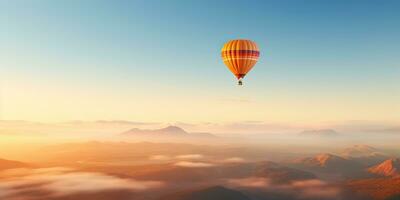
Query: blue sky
[320, 60]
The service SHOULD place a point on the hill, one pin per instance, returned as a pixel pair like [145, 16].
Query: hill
[390, 167]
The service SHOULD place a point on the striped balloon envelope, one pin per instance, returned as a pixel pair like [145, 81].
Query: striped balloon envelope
[240, 56]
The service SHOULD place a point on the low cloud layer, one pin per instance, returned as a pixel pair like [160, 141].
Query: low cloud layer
[305, 189]
[49, 182]
[193, 164]
[160, 158]
[234, 160]
[190, 156]
[178, 157]
[316, 189]
[253, 182]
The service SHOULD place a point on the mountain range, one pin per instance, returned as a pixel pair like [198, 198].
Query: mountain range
[319, 133]
[325, 161]
[169, 131]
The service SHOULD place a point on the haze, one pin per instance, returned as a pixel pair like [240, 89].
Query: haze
[130, 100]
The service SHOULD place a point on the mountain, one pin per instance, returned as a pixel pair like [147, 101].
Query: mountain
[330, 164]
[202, 134]
[371, 159]
[324, 160]
[210, 193]
[364, 154]
[10, 164]
[390, 167]
[168, 131]
[319, 133]
[280, 174]
[359, 150]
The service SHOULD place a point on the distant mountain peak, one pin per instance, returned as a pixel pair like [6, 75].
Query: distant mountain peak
[360, 150]
[169, 130]
[164, 132]
[173, 129]
[319, 132]
[326, 158]
[389, 167]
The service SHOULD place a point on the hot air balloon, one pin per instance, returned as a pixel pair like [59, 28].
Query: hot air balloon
[240, 56]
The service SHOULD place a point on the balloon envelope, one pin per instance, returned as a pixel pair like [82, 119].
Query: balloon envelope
[240, 56]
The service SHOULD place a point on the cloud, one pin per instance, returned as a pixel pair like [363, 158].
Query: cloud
[83, 182]
[160, 157]
[316, 189]
[253, 182]
[393, 130]
[234, 160]
[193, 164]
[260, 127]
[190, 156]
[305, 189]
[63, 181]
[360, 126]
[308, 183]
[26, 172]
[254, 126]
[178, 157]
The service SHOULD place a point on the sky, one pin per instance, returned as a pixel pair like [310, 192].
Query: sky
[159, 61]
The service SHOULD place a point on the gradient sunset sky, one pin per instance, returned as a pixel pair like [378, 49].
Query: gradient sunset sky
[160, 61]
